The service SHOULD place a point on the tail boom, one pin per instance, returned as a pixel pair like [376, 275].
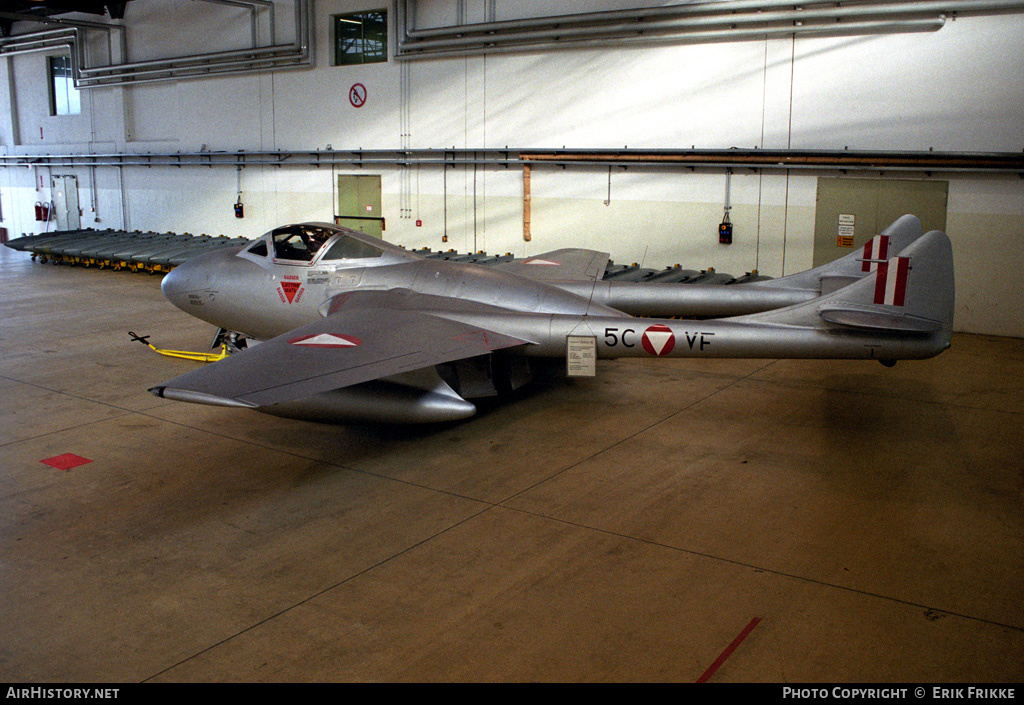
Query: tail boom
[902, 310]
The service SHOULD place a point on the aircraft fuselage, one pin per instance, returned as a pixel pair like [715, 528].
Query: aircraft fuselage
[358, 328]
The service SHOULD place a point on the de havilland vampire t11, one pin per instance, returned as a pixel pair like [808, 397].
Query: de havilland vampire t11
[348, 327]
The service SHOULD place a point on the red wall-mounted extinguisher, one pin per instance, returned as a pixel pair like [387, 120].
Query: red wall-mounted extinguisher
[42, 211]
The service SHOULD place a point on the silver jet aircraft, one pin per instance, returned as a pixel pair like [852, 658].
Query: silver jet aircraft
[354, 328]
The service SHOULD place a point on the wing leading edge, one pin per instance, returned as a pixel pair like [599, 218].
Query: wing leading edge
[569, 264]
[353, 344]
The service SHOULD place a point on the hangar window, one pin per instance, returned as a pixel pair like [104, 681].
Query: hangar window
[64, 98]
[300, 242]
[361, 38]
[346, 247]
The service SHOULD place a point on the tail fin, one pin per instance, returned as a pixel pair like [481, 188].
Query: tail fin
[910, 293]
[856, 265]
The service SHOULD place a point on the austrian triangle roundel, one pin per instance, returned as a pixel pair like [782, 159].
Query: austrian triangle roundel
[326, 340]
[658, 339]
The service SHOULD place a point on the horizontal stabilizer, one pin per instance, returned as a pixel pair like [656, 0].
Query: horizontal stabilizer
[912, 293]
[879, 320]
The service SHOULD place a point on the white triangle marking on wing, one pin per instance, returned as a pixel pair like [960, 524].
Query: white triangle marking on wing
[325, 339]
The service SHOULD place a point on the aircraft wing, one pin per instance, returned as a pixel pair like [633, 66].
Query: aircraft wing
[351, 345]
[570, 264]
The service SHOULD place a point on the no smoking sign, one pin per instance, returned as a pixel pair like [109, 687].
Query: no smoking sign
[357, 95]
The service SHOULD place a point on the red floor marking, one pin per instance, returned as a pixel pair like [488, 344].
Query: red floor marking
[66, 461]
[728, 651]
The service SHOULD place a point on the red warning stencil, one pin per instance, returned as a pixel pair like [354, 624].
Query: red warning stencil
[287, 291]
[65, 461]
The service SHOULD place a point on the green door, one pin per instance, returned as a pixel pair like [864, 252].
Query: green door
[850, 212]
[359, 204]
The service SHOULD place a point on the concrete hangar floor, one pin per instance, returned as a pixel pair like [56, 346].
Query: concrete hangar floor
[829, 521]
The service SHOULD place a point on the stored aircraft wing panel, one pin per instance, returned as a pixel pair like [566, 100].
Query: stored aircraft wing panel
[349, 346]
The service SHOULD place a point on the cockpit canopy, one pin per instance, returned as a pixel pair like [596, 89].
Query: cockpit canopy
[299, 243]
[305, 242]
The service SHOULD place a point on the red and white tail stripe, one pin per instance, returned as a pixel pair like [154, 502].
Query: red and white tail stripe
[877, 248]
[891, 281]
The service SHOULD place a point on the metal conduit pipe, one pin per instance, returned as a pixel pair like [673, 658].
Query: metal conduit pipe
[74, 26]
[837, 29]
[699, 8]
[263, 58]
[821, 160]
[252, 6]
[49, 46]
[697, 24]
[66, 23]
[689, 26]
[38, 34]
[572, 33]
[198, 70]
[252, 16]
[184, 61]
[274, 57]
[606, 16]
[296, 54]
[39, 41]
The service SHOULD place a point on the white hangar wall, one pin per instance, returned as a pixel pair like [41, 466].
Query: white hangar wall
[957, 89]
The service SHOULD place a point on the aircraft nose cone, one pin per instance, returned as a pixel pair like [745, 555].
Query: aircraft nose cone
[173, 283]
[188, 277]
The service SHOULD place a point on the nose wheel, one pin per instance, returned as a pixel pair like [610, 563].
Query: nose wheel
[232, 340]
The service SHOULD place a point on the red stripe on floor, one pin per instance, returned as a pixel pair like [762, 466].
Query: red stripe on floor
[728, 651]
[65, 461]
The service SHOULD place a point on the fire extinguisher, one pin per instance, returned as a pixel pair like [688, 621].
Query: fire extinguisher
[42, 211]
[39, 211]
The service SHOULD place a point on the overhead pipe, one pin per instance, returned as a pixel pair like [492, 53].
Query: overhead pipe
[252, 6]
[298, 53]
[821, 160]
[281, 56]
[190, 62]
[76, 24]
[164, 69]
[660, 27]
[681, 24]
[725, 7]
[704, 36]
[37, 41]
[607, 15]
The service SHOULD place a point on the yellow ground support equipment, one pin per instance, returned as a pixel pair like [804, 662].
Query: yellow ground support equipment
[185, 354]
